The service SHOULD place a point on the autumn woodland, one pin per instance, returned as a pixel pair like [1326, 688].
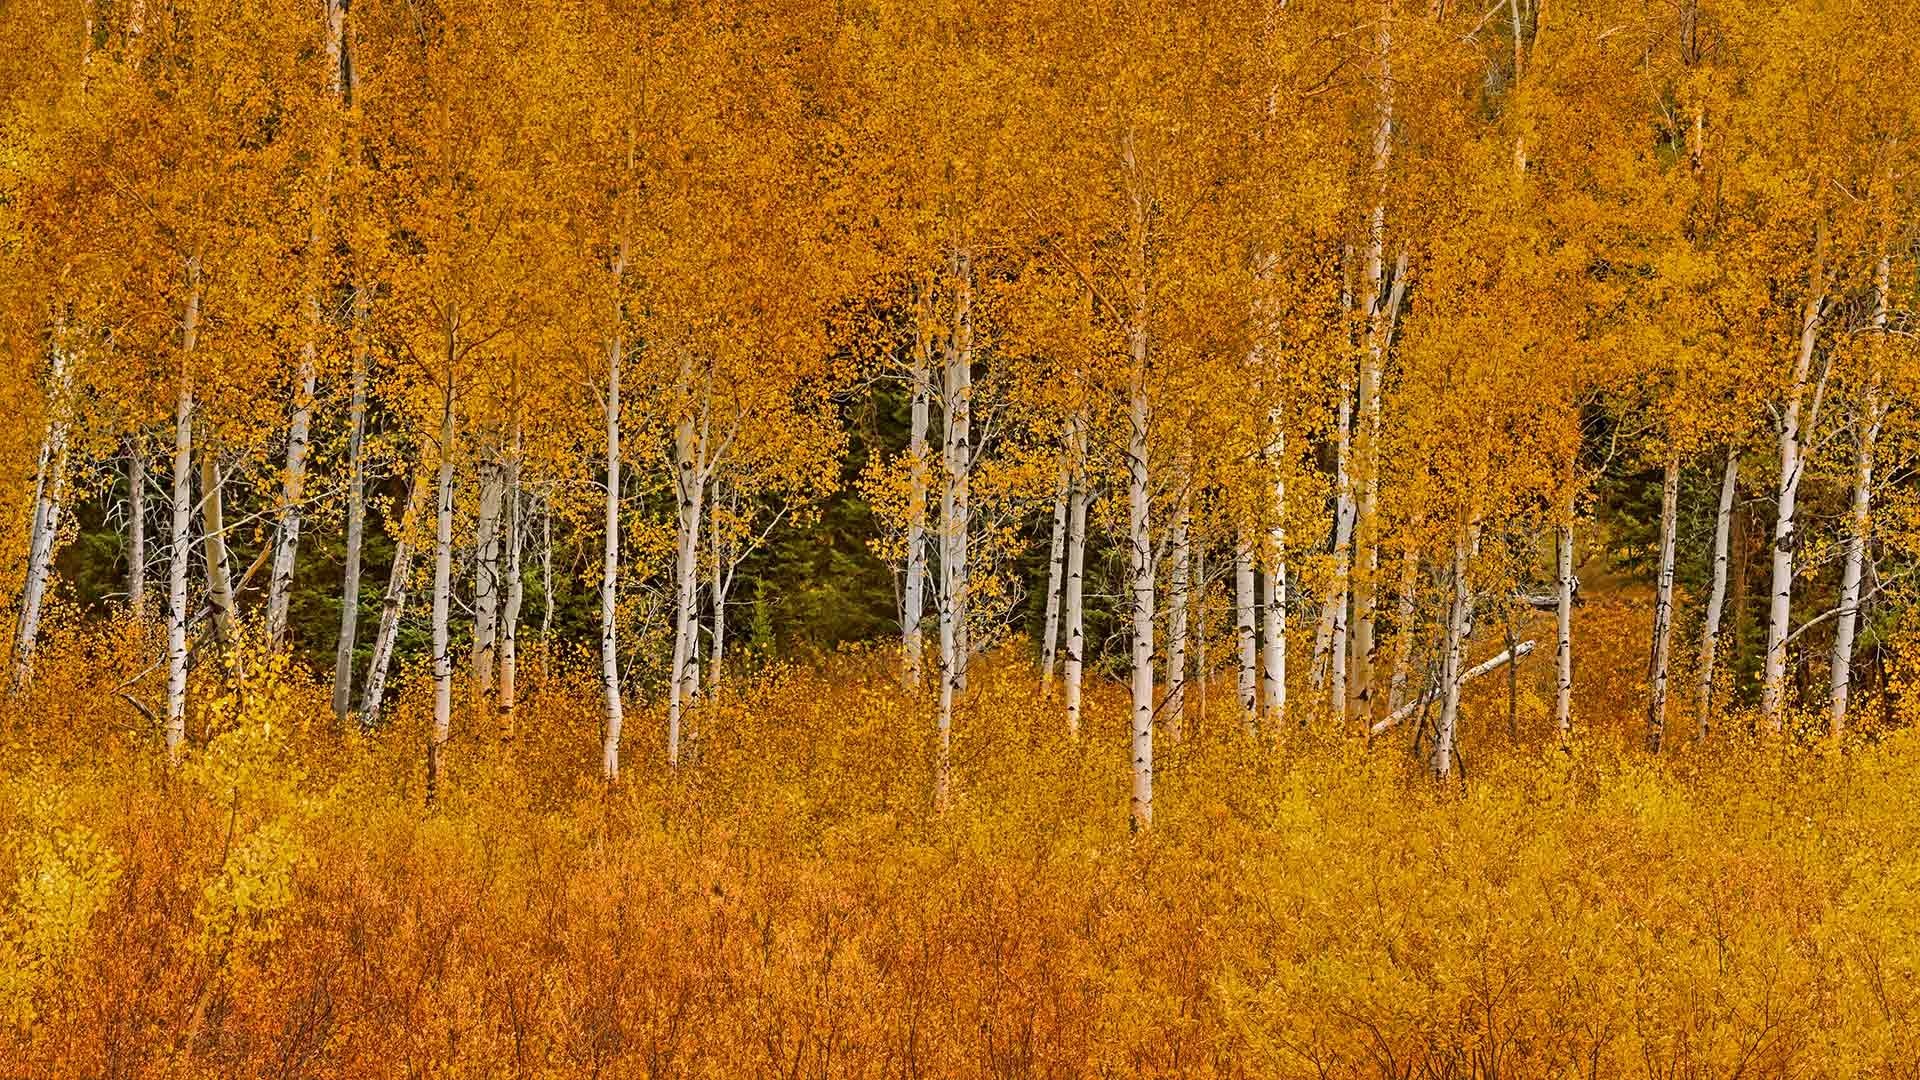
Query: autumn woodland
[1297, 538]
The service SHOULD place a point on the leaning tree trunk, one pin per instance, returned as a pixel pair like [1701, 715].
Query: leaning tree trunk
[1453, 664]
[1773, 690]
[356, 520]
[1663, 608]
[286, 548]
[1073, 665]
[1859, 517]
[1246, 632]
[1717, 593]
[1056, 555]
[392, 606]
[913, 602]
[49, 486]
[214, 539]
[442, 589]
[1275, 657]
[610, 574]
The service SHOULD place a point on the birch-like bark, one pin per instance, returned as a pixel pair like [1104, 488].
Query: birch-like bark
[1859, 517]
[1073, 664]
[717, 595]
[180, 537]
[486, 574]
[1663, 608]
[610, 572]
[137, 528]
[1773, 691]
[690, 461]
[956, 414]
[546, 579]
[356, 518]
[213, 531]
[1274, 661]
[1452, 666]
[392, 606]
[1179, 601]
[1245, 630]
[1056, 555]
[293, 481]
[913, 602]
[442, 587]
[1372, 371]
[49, 487]
[1717, 593]
[507, 694]
[1139, 498]
[1567, 584]
[1334, 617]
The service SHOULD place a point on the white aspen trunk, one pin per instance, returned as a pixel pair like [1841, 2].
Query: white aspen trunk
[1773, 692]
[137, 529]
[356, 520]
[1275, 655]
[442, 587]
[1663, 608]
[1859, 517]
[49, 486]
[1717, 594]
[960, 444]
[610, 574]
[286, 548]
[717, 594]
[690, 465]
[1451, 671]
[392, 606]
[1335, 615]
[1140, 566]
[1056, 553]
[1567, 583]
[1403, 636]
[1203, 670]
[486, 574]
[1492, 663]
[546, 579]
[180, 537]
[1073, 664]
[507, 694]
[1179, 601]
[1247, 633]
[214, 539]
[913, 602]
[1372, 373]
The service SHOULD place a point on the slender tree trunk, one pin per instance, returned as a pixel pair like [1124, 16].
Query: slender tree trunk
[717, 593]
[1056, 555]
[1335, 614]
[392, 606]
[442, 587]
[1568, 583]
[214, 540]
[1403, 634]
[180, 537]
[508, 692]
[1859, 518]
[1073, 665]
[1372, 372]
[546, 580]
[1178, 603]
[356, 519]
[1139, 500]
[1773, 697]
[486, 574]
[49, 487]
[610, 573]
[1275, 656]
[1663, 608]
[956, 412]
[1245, 629]
[1717, 594]
[1453, 665]
[286, 547]
[137, 528]
[690, 485]
[913, 603]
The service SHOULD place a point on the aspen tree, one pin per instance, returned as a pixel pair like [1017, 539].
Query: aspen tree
[1717, 591]
[1663, 606]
